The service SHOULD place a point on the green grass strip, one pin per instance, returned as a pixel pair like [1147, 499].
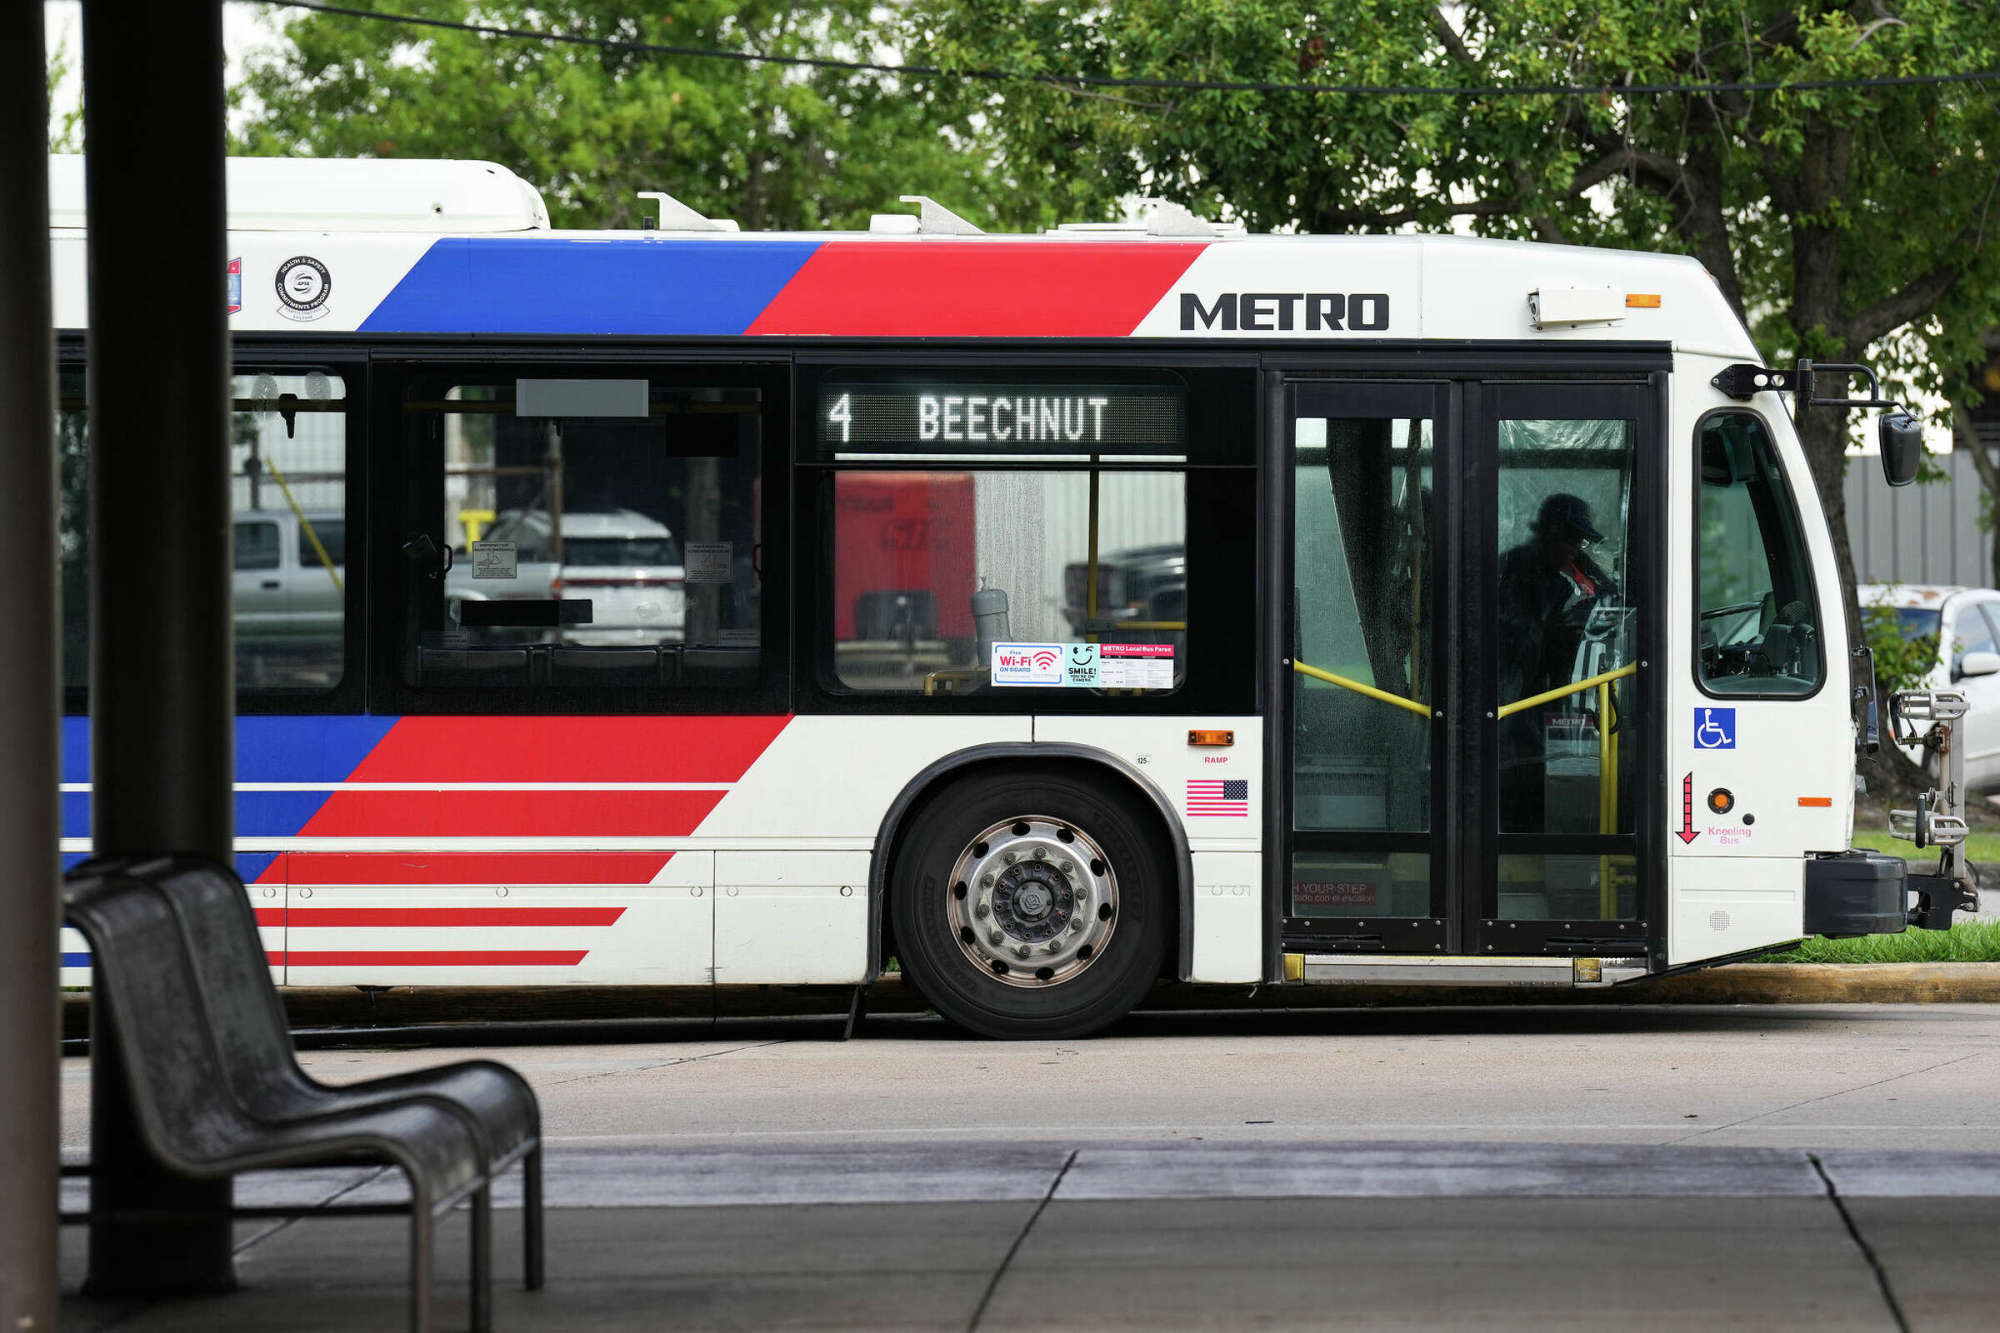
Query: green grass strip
[1979, 847]
[1965, 942]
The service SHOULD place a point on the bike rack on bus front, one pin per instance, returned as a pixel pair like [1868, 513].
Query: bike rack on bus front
[1939, 819]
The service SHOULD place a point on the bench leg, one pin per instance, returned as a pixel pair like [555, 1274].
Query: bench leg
[531, 1218]
[422, 1235]
[482, 1259]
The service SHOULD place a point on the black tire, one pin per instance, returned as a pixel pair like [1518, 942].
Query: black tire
[1109, 930]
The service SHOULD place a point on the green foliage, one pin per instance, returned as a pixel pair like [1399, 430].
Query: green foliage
[1979, 848]
[66, 127]
[1834, 220]
[769, 146]
[1900, 663]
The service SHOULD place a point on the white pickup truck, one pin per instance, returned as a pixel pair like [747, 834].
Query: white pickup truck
[288, 596]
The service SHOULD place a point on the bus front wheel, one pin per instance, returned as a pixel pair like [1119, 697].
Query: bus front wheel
[1032, 903]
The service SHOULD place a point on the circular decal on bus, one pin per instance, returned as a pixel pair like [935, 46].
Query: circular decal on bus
[303, 286]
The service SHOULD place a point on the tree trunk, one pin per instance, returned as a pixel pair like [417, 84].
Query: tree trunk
[1989, 478]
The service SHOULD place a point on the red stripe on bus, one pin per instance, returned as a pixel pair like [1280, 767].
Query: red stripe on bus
[986, 289]
[327, 917]
[428, 957]
[471, 867]
[503, 814]
[568, 749]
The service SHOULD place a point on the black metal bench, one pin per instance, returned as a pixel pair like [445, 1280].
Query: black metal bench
[217, 1088]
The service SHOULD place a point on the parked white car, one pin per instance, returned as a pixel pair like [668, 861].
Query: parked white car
[627, 565]
[1966, 622]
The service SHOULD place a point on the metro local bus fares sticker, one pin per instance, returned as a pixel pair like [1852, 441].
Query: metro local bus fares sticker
[1135, 666]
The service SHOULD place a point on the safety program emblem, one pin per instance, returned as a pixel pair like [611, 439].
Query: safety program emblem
[303, 286]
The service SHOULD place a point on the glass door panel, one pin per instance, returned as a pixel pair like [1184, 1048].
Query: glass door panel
[1364, 640]
[1566, 578]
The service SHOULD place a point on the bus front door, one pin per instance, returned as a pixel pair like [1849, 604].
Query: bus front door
[1472, 597]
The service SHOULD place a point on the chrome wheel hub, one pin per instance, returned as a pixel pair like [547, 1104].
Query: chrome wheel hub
[1033, 901]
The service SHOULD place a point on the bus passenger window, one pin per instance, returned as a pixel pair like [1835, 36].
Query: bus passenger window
[288, 490]
[1759, 621]
[932, 569]
[581, 534]
[959, 562]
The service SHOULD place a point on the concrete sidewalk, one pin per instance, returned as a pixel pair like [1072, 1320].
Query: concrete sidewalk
[1169, 1235]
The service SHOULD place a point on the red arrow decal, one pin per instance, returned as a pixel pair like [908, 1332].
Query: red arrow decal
[1686, 831]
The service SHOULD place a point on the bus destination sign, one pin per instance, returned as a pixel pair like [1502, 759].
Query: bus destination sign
[1002, 418]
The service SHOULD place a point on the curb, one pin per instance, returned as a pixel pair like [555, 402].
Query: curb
[1737, 983]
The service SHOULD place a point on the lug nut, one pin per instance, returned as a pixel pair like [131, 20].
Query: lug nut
[986, 880]
[1055, 946]
[1075, 926]
[980, 911]
[1041, 855]
[1012, 857]
[1067, 867]
[995, 938]
[1022, 951]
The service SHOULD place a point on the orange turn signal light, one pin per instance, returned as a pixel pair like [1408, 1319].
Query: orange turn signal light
[1819, 801]
[1211, 738]
[1642, 300]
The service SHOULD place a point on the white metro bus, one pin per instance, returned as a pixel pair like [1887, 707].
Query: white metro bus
[1053, 614]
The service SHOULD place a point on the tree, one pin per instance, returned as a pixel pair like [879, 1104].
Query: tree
[1839, 222]
[1835, 220]
[771, 146]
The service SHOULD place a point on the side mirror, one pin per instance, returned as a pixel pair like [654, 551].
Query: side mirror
[1979, 664]
[1902, 447]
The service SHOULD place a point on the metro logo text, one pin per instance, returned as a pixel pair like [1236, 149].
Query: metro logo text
[1284, 312]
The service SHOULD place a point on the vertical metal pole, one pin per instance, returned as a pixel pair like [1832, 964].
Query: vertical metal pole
[30, 820]
[161, 682]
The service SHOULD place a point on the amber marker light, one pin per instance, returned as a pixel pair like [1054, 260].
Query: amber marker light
[1211, 738]
[1642, 300]
[1819, 802]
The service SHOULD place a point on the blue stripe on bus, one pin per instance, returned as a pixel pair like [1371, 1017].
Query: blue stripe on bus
[249, 865]
[76, 960]
[259, 814]
[269, 748]
[641, 285]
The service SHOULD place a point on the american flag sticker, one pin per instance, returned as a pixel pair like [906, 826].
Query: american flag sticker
[1218, 796]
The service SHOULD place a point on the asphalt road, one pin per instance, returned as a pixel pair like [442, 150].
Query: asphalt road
[1839, 1076]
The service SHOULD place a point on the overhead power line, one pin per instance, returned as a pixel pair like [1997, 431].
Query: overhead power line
[1154, 84]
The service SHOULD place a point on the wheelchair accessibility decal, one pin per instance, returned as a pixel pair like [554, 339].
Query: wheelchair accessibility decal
[1715, 728]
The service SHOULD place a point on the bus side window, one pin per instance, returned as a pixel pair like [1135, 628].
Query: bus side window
[1758, 629]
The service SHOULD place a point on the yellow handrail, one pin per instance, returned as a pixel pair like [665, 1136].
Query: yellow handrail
[305, 526]
[1534, 700]
[1355, 685]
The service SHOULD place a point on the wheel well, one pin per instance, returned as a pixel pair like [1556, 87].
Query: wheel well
[1097, 765]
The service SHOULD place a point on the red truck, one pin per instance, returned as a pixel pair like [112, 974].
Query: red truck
[903, 559]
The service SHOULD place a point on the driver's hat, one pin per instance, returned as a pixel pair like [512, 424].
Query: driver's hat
[1565, 513]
